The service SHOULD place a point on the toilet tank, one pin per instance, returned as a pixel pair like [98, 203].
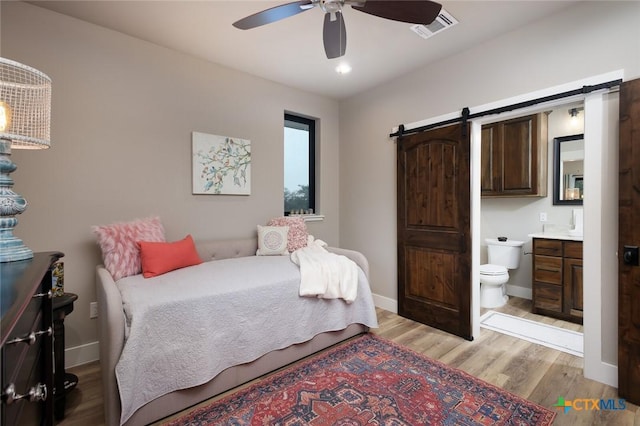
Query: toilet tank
[504, 253]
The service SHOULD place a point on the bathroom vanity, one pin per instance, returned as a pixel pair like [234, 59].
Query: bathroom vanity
[557, 276]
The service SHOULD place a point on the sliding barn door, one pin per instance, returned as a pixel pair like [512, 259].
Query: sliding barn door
[628, 241]
[434, 238]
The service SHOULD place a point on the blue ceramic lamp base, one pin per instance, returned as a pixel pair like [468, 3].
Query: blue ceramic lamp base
[11, 248]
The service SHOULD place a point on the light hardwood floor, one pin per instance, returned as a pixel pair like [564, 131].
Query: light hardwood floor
[531, 371]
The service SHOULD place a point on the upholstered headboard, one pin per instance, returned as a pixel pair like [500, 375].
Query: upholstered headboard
[224, 249]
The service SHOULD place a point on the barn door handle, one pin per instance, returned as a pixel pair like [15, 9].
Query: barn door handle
[630, 255]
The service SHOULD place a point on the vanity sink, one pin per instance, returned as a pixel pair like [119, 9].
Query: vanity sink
[575, 232]
[559, 235]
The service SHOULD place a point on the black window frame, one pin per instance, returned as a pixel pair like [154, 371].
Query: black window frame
[311, 123]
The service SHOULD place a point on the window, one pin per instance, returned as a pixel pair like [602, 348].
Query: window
[299, 164]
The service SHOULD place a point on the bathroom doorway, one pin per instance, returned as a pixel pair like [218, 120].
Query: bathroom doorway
[521, 217]
[601, 107]
[600, 276]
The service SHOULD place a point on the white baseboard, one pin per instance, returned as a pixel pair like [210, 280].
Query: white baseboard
[82, 354]
[385, 303]
[604, 373]
[391, 305]
[517, 291]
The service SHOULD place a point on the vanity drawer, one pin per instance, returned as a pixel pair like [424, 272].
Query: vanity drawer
[548, 297]
[573, 249]
[548, 270]
[547, 247]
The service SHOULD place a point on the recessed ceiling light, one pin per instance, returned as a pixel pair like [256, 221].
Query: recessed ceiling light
[343, 68]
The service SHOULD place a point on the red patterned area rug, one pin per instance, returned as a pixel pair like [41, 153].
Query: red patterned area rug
[370, 381]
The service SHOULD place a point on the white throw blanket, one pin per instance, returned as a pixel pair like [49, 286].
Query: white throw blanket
[326, 275]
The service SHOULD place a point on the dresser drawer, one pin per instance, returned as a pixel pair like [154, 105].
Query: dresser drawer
[547, 247]
[547, 296]
[26, 375]
[573, 249]
[548, 270]
[25, 323]
[16, 353]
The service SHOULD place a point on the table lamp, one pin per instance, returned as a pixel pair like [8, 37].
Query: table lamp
[25, 123]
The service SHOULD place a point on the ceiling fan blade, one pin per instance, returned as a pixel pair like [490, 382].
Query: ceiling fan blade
[411, 11]
[273, 14]
[334, 35]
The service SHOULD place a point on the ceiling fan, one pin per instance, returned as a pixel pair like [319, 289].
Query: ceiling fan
[334, 33]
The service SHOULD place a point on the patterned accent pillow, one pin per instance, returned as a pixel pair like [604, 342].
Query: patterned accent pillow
[117, 241]
[298, 233]
[272, 240]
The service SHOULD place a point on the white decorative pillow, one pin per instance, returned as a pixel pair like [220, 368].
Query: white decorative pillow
[272, 240]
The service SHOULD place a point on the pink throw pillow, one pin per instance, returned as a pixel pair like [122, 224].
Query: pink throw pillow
[159, 258]
[117, 241]
[298, 233]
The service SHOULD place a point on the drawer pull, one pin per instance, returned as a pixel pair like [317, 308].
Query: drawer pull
[542, 268]
[48, 295]
[31, 338]
[37, 393]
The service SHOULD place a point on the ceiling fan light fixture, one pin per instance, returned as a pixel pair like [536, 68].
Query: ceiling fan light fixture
[331, 6]
[343, 68]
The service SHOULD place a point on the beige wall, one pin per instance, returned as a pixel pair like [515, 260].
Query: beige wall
[123, 113]
[586, 39]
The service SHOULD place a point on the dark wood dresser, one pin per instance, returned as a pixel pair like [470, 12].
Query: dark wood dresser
[26, 361]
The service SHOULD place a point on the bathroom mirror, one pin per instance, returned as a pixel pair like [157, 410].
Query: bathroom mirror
[568, 173]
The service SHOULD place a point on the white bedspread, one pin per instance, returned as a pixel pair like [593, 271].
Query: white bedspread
[324, 274]
[188, 325]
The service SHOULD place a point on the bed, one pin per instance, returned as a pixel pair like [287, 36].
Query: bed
[115, 328]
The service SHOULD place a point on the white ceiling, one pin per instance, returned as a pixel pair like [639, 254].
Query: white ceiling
[290, 51]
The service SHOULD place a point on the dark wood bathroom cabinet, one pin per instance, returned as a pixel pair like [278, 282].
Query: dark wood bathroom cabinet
[557, 278]
[514, 157]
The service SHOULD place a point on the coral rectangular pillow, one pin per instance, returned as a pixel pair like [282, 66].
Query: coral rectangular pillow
[159, 258]
[298, 232]
[117, 241]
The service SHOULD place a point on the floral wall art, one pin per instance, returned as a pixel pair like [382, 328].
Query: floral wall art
[221, 164]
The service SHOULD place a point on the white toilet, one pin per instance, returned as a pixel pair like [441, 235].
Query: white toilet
[503, 255]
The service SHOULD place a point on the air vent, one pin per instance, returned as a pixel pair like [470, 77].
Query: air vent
[442, 22]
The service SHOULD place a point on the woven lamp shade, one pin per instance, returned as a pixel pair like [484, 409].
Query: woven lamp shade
[25, 105]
